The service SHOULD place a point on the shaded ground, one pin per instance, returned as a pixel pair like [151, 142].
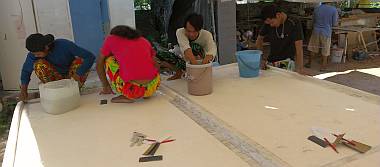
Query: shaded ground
[362, 75]
[358, 80]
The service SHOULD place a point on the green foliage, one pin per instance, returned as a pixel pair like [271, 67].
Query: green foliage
[142, 4]
[375, 5]
[345, 4]
[6, 117]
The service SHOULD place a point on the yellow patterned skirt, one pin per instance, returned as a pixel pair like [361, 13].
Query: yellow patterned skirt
[131, 90]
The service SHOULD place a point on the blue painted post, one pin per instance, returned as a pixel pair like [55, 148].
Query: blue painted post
[87, 18]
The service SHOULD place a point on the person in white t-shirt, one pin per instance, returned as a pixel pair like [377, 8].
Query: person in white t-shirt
[196, 44]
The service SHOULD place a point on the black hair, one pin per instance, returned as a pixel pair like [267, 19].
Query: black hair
[270, 11]
[125, 32]
[38, 42]
[196, 20]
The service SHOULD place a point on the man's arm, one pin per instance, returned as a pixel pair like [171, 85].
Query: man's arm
[298, 42]
[190, 56]
[210, 49]
[259, 46]
[299, 56]
[260, 42]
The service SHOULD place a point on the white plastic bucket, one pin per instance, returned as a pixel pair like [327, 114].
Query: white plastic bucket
[336, 55]
[199, 79]
[60, 96]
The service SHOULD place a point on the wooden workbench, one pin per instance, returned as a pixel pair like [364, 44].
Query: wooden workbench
[357, 37]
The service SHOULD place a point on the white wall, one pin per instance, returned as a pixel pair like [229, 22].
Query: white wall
[53, 17]
[15, 25]
[17, 22]
[121, 12]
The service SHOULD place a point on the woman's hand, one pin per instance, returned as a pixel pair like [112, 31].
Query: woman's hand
[24, 93]
[23, 96]
[106, 90]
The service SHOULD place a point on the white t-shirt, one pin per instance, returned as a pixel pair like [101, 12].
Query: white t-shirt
[204, 39]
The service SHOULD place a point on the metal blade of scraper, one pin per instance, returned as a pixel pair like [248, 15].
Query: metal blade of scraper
[318, 141]
[323, 133]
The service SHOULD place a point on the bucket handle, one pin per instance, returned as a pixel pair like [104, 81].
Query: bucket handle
[192, 78]
[250, 67]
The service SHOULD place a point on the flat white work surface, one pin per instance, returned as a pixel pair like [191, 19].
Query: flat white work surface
[99, 135]
[277, 110]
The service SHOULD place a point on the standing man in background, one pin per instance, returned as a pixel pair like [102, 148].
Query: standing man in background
[325, 17]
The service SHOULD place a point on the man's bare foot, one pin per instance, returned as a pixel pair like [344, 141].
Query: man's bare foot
[177, 75]
[121, 99]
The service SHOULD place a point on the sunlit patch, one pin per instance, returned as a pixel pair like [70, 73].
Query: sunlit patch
[270, 107]
[350, 109]
[371, 71]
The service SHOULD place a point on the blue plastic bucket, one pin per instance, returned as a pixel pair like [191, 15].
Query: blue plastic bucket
[249, 63]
